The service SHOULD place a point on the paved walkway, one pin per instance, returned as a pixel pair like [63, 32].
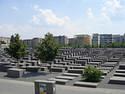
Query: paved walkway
[20, 87]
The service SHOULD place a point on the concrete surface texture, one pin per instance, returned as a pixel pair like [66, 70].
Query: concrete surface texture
[21, 87]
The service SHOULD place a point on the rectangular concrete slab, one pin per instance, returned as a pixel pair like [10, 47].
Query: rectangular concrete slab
[86, 84]
[120, 71]
[119, 74]
[65, 77]
[117, 80]
[71, 74]
[59, 81]
[78, 71]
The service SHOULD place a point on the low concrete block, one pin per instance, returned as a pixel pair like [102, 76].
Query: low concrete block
[120, 71]
[77, 67]
[65, 77]
[59, 81]
[32, 68]
[15, 73]
[122, 66]
[86, 84]
[55, 69]
[117, 80]
[78, 71]
[119, 74]
[45, 69]
[71, 74]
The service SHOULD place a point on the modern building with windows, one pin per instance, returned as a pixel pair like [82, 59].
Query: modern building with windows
[32, 43]
[83, 40]
[72, 42]
[105, 40]
[116, 38]
[62, 40]
[28, 43]
[35, 42]
[95, 40]
[123, 38]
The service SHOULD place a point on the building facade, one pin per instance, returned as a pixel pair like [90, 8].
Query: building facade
[32, 43]
[116, 38]
[105, 40]
[83, 40]
[95, 40]
[28, 43]
[123, 38]
[72, 41]
[62, 40]
[5, 39]
[4, 42]
[35, 42]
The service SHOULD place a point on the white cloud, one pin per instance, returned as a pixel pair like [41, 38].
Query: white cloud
[0, 26]
[101, 18]
[31, 31]
[113, 5]
[108, 9]
[90, 13]
[14, 8]
[35, 7]
[49, 17]
[105, 18]
[9, 29]
[35, 19]
[105, 15]
[62, 25]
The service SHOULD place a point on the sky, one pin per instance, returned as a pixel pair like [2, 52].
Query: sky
[35, 18]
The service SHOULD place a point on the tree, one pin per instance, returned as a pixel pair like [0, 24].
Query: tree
[16, 48]
[87, 46]
[47, 49]
[91, 74]
[123, 44]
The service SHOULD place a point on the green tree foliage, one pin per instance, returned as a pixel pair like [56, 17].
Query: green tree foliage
[91, 74]
[118, 45]
[113, 45]
[95, 46]
[16, 48]
[47, 49]
[76, 45]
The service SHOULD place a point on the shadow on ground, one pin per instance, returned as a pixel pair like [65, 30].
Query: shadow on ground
[33, 74]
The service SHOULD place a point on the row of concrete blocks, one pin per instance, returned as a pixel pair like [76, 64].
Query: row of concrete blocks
[119, 76]
[66, 77]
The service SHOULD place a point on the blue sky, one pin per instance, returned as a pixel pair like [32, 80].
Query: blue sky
[34, 18]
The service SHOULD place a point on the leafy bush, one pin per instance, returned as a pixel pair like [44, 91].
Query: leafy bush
[91, 74]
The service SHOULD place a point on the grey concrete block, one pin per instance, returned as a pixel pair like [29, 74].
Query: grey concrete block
[86, 84]
[117, 80]
[15, 73]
